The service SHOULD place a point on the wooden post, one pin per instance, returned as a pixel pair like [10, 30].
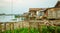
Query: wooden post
[22, 25]
[19, 28]
[55, 29]
[0, 28]
[12, 27]
[9, 26]
[4, 26]
[29, 27]
[39, 27]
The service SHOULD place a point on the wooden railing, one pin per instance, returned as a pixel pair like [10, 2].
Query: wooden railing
[13, 25]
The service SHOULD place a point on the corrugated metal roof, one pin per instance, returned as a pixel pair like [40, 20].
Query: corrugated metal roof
[57, 5]
[36, 9]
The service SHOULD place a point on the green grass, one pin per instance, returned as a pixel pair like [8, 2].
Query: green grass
[50, 29]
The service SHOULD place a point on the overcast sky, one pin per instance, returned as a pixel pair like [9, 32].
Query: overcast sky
[22, 6]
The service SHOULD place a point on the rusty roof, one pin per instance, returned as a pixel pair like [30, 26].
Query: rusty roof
[36, 9]
[57, 5]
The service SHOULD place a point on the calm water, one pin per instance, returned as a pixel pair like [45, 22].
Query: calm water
[10, 18]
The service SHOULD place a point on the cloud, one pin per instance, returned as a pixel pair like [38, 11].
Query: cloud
[21, 6]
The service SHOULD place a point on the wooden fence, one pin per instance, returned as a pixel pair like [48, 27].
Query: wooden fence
[13, 25]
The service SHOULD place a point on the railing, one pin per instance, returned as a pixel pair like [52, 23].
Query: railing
[17, 25]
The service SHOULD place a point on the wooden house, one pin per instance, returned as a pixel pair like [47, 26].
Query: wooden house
[36, 13]
[54, 13]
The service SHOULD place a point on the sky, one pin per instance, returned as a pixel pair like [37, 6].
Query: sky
[22, 6]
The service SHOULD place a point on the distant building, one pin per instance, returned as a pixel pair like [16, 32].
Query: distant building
[22, 17]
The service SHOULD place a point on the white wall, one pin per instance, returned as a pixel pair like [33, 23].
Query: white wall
[21, 19]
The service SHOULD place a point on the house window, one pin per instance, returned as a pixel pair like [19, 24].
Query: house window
[40, 13]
